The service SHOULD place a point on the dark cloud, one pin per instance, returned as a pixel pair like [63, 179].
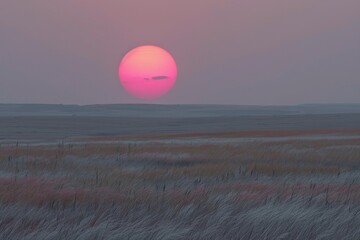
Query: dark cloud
[159, 77]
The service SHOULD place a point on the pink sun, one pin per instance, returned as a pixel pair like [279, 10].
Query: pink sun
[148, 72]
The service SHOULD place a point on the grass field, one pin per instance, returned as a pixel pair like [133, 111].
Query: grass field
[300, 184]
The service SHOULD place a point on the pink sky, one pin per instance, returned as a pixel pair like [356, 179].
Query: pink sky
[228, 52]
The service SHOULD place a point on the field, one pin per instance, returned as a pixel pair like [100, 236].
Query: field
[279, 176]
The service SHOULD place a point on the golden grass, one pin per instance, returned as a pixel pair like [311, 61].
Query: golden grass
[160, 162]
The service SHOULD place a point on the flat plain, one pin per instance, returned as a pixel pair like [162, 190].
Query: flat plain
[179, 172]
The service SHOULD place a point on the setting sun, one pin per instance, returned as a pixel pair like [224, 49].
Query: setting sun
[148, 72]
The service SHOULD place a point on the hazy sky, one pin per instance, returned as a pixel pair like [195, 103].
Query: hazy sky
[228, 52]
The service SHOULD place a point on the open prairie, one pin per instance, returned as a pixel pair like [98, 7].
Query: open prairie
[220, 172]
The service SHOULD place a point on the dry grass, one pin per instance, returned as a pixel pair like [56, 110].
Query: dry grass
[196, 187]
[233, 134]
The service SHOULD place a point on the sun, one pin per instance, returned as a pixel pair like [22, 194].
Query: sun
[148, 72]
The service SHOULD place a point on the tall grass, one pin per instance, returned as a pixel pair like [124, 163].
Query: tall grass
[278, 189]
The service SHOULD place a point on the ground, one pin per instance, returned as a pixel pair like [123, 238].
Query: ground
[276, 176]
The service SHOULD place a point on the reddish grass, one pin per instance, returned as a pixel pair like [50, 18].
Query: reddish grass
[43, 192]
[233, 134]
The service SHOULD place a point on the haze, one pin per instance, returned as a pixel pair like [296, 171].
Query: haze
[228, 52]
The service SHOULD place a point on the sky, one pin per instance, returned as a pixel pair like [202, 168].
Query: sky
[246, 52]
